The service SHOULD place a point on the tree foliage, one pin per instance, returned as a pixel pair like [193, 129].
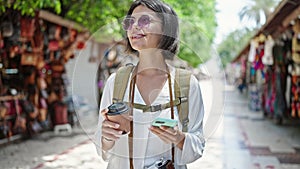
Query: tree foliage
[257, 10]
[233, 44]
[29, 7]
[103, 18]
[198, 26]
[107, 15]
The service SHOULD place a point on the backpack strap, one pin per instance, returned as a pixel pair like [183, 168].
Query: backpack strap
[158, 107]
[121, 81]
[182, 88]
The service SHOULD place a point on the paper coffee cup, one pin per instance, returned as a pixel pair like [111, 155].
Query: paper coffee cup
[119, 113]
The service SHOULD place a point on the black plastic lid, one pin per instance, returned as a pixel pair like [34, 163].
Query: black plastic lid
[117, 108]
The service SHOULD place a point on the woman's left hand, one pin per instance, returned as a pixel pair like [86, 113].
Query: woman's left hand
[169, 135]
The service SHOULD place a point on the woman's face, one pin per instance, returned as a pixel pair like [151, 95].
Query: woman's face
[146, 30]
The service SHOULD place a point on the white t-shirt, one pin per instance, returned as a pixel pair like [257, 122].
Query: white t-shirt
[149, 148]
[252, 51]
[268, 55]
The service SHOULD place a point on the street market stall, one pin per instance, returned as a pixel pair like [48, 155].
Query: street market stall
[33, 53]
[273, 64]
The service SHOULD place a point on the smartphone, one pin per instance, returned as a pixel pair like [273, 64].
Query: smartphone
[164, 122]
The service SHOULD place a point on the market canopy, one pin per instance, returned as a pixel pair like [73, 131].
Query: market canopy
[50, 17]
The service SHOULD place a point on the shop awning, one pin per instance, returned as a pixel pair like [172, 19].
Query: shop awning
[50, 17]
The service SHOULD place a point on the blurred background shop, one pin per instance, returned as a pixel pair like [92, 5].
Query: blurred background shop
[269, 65]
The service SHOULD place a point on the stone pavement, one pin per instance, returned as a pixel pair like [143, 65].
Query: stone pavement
[243, 140]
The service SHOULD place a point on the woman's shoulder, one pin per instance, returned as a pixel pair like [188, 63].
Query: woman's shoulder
[111, 78]
[193, 79]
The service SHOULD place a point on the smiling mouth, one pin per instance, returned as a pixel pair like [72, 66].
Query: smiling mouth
[138, 36]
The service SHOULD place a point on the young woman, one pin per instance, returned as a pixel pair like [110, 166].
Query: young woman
[152, 31]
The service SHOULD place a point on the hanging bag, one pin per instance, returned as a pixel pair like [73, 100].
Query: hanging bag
[4, 128]
[31, 54]
[60, 113]
[6, 26]
[27, 28]
[20, 122]
[1, 41]
[31, 33]
[29, 59]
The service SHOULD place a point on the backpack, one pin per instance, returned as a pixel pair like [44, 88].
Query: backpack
[182, 77]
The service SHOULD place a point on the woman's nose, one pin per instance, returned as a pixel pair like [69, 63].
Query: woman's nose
[135, 25]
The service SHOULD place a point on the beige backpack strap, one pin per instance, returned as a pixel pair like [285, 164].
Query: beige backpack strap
[121, 81]
[157, 107]
[182, 88]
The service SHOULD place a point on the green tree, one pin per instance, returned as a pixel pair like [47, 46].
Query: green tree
[29, 7]
[103, 18]
[198, 27]
[106, 17]
[94, 14]
[233, 44]
[257, 10]
[196, 38]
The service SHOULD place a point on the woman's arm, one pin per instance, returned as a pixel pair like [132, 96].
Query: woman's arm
[190, 144]
[110, 132]
[105, 134]
[194, 141]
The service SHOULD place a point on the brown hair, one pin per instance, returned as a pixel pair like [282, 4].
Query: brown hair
[169, 42]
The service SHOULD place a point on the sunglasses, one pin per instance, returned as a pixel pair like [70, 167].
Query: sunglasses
[143, 22]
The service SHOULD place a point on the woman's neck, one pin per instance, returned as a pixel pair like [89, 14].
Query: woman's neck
[151, 62]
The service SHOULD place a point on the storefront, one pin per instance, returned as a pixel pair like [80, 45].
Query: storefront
[34, 51]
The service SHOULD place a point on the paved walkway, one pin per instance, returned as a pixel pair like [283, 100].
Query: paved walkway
[243, 140]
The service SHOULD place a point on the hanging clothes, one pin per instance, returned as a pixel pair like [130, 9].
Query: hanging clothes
[268, 56]
[267, 90]
[260, 51]
[296, 42]
[288, 91]
[295, 92]
[258, 65]
[252, 52]
[279, 102]
[254, 98]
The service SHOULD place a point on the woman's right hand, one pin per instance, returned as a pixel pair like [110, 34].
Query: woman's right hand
[110, 130]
